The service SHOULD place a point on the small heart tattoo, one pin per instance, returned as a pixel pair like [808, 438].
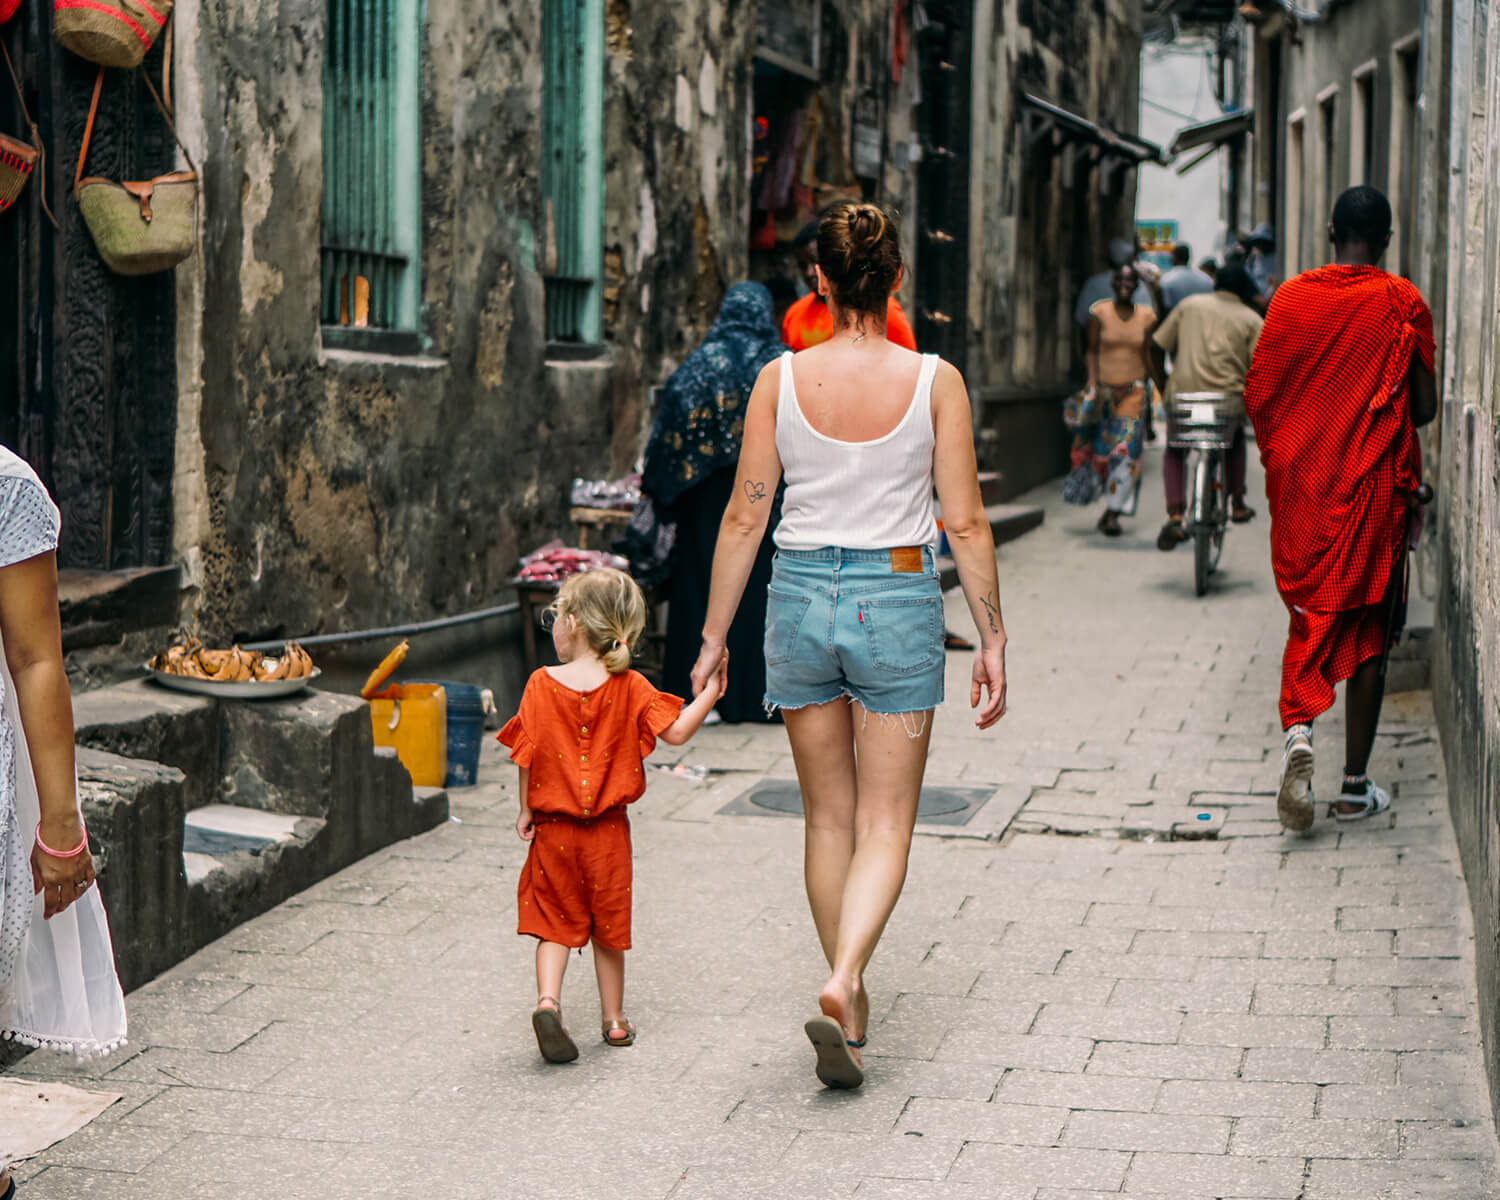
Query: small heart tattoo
[754, 492]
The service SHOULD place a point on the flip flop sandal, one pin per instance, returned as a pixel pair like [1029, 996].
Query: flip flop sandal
[836, 1065]
[952, 641]
[611, 1026]
[551, 1035]
[10, 1192]
[1375, 802]
[1243, 516]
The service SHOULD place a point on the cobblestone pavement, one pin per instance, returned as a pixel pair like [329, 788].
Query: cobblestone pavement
[1056, 1017]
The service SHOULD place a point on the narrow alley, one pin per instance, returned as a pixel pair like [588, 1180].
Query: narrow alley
[1118, 976]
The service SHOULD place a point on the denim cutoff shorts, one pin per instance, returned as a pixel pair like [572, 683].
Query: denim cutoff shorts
[843, 623]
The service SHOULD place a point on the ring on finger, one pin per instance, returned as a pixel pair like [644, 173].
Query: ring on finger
[81, 884]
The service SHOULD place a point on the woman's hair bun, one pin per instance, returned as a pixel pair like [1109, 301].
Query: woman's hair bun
[859, 250]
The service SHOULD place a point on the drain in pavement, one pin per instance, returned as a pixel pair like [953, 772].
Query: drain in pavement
[783, 798]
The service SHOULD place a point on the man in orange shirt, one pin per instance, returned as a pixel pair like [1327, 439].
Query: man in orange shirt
[809, 322]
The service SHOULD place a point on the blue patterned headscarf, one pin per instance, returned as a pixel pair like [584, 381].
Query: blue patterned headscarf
[701, 421]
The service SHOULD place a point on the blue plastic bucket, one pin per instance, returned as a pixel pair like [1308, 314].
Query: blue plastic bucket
[465, 728]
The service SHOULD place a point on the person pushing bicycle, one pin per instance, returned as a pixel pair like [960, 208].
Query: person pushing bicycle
[1210, 338]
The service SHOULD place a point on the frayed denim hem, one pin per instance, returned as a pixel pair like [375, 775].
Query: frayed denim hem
[914, 721]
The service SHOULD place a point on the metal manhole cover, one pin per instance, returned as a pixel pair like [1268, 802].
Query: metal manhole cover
[782, 797]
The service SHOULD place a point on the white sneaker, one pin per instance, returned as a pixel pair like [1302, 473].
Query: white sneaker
[1294, 799]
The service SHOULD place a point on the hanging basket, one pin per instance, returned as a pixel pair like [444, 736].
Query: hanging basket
[17, 162]
[112, 33]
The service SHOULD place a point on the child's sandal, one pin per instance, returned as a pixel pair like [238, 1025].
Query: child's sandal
[551, 1035]
[613, 1026]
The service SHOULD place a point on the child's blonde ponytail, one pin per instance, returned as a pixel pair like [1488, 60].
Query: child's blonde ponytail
[611, 610]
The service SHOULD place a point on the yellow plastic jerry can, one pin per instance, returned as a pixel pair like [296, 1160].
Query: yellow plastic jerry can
[411, 717]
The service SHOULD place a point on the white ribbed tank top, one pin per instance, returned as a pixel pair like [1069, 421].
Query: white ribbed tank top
[857, 495]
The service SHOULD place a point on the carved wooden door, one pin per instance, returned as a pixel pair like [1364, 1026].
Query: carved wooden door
[88, 380]
[944, 49]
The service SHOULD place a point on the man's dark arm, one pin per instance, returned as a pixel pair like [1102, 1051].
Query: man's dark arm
[1159, 366]
[1422, 388]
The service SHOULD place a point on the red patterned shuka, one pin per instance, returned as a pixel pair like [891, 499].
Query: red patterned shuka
[1328, 394]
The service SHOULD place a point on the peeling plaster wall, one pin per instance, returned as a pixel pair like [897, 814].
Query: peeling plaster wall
[1038, 235]
[1466, 659]
[342, 489]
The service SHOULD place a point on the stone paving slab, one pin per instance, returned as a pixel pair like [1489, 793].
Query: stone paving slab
[1250, 1017]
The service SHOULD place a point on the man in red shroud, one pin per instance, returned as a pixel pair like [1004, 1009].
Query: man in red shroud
[1341, 379]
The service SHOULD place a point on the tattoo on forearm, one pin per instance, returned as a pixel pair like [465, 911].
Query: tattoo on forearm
[755, 491]
[992, 611]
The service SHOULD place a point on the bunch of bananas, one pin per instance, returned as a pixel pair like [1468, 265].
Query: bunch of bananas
[192, 659]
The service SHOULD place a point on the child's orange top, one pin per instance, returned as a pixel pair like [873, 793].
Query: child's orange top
[585, 749]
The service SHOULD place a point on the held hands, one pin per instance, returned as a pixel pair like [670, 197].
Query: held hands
[711, 669]
[61, 879]
[989, 675]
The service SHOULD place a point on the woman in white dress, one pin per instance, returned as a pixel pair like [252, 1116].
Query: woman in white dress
[58, 988]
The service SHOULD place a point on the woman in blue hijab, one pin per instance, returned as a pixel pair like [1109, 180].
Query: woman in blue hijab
[689, 475]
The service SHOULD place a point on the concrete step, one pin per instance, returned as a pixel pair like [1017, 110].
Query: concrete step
[209, 812]
[1007, 523]
[214, 834]
[991, 488]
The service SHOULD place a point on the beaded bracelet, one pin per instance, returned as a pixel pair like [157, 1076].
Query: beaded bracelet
[73, 853]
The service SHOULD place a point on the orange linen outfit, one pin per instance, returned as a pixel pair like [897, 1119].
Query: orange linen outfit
[809, 322]
[585, 752]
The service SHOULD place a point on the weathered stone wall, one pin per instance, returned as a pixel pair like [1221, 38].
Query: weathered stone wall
[1038, 233]
[325, 490]
[1466, 660]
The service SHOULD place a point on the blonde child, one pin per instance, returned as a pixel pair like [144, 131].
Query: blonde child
[579, 739]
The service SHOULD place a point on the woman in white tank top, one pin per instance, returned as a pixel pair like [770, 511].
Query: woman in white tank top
[861, 430]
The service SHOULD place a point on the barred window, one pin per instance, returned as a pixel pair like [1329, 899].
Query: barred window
[573, 167]
[372, 131]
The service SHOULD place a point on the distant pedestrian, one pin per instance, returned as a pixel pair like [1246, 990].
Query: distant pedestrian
[689, 476]
[1101, 287]
[580, 739]
[1209, 267]
[1261, 262]
[809, 320]
[862, 429]
[1211, 339]
[1182, 280]
[58, 988]
[1341, 379]
[1119, 334]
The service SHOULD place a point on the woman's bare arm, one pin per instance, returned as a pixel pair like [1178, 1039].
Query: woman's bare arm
[956, 473]
[31, 629]
[1091, 355]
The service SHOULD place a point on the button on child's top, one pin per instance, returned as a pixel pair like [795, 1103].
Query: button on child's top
[557, 729]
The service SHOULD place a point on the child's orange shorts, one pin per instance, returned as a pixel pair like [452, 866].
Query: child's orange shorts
[576, 881]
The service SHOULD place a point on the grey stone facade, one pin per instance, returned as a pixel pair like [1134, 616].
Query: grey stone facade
[319, 489]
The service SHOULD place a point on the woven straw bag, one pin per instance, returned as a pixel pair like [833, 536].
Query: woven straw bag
[17, 162]
[112, 33]
[140, 227]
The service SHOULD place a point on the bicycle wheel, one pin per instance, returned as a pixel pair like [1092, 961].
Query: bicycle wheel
[1219, 511]
[1203, 515]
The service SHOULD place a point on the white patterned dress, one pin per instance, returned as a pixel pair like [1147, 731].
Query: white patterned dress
[58, 987]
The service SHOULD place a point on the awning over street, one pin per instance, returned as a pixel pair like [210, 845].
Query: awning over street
[1213, 133]
[1041, 118]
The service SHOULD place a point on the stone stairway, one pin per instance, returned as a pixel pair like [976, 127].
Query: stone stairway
[1007, 522]
[209, 812]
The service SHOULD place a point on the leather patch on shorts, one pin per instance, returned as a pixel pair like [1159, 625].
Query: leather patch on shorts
[906, 560]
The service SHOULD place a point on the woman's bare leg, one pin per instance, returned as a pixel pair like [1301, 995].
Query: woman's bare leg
[609, 970]
[892, 754]
[822, 737]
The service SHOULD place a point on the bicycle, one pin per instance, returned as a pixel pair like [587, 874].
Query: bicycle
[1204, 425]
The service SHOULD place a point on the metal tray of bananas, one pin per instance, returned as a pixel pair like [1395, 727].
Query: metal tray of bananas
[233, 674]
